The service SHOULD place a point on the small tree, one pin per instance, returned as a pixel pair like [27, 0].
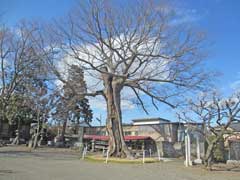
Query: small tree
[216, 114]
[41, 102]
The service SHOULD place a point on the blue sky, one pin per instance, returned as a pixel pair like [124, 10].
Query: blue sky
[219, 18]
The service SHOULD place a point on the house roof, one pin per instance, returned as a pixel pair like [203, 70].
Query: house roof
[146, 124]
[235, 126]
[105, 138]
[150, 119]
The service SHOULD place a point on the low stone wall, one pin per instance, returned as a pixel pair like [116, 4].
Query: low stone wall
[170, 149]
[235, 162]
[177, 149]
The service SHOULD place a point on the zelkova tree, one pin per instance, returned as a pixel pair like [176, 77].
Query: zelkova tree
[143, 47]
[217, 114]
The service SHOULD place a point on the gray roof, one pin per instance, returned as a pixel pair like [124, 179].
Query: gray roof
[235, 126]
[150, 119]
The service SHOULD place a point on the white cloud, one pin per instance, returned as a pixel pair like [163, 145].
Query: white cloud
[97, 103]
[100, 104]
[236, 84]
[127, 105]
[187, 16]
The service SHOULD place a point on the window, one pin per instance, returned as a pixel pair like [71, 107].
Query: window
[127, 133]
[134, 133]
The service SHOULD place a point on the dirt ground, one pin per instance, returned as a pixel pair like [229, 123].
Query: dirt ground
[54, 164]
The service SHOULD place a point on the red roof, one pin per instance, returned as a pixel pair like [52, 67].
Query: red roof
[96, 137]
[234, 138]
[105, 138]
[136, 137]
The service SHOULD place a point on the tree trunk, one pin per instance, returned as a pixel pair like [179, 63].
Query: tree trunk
[117, 145]
[209, 156]
[1, 122]
[36, 134]
[17, 138]
[63, 131]
[208, 159]
[35, 140]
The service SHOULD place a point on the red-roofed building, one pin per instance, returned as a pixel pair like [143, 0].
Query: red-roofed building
[148, 134]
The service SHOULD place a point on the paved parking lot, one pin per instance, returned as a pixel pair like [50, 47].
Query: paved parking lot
[55, 165]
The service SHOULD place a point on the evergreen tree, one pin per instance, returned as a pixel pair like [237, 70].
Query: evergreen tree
[72, 105]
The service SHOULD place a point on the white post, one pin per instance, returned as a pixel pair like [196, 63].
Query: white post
[198, 160]
[143, 157]
[189, 150]
[107, 156]
[150, 153]
[159, 157]
[93, 145]
[198, 148]
[188, 161]
[84, 152]
[186, 151]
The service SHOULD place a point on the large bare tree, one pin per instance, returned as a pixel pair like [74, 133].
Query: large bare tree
[142, 46]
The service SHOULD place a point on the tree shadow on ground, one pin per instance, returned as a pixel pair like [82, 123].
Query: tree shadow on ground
[3, 172]
[232, 168]
[15, 153]
[44, 155]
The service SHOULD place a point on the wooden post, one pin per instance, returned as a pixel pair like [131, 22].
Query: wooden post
[229, 153]
[103, 151]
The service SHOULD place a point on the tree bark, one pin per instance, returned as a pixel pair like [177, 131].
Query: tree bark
[1, 122]
[36, 134]
[17, 138]
[63, 131]
[208, 159]
[36, 138]
[112, 92]
[209, 156]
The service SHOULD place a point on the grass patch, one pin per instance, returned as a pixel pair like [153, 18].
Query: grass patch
[94, 158]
